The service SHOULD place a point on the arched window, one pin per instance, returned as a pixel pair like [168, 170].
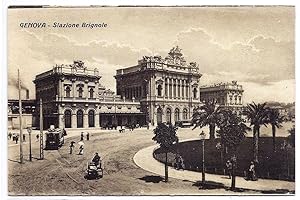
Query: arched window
[91, 118]
[80, 92]
[159, 115]
[185, 114]
[68, 91]
[240, 100]
[68, 118]
[195, 93]
[79, 119]
[168, 115]
[177, 118]
[91, 93]
[159, 90]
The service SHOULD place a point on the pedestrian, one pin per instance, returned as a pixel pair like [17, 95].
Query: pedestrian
[37, 137]
[181, 163]
[81, 150]
[72, 147]
[81, 136]
[87, 136]
[9, 135]
[229, 168]
[16, 139]
[24, 138]
[14, 136]
[251, 172]
[64, 132]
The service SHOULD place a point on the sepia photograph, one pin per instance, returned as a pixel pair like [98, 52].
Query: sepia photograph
[150, 100]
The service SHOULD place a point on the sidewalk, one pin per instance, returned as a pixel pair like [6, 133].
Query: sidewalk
[145, 160]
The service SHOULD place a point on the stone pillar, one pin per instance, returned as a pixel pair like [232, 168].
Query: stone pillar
[61, 121]
[85, 120]
[168, 92]
[61, 89]
[97, 90]
[179, 88]
[174, 88]
[97, 119]
[86, 89]
[73, 121]
[171, 92]
[155, 116]
[73, 88]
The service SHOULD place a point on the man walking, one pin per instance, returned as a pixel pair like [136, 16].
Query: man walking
[71, 147]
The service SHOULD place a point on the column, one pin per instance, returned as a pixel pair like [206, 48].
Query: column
[97, 90]
[182, 89]
[171, 92]
[168, 88]
[174, 88]
[61, 122]
[85, 120]
[73, 88]
[97, 119]
[73, 121]
[86, 89]
[179, 88]
[165, 88]
[61, 89]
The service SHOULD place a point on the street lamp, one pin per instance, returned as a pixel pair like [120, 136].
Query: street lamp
[202, 138]
[29, 132]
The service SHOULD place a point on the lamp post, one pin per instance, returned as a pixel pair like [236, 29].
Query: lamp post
[29, 134]
[202, 138]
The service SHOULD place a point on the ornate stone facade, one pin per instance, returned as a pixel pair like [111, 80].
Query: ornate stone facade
[167, 89]
[73, 98]
[225, 94]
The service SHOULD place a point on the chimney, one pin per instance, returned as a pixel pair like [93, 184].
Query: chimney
[27, 94]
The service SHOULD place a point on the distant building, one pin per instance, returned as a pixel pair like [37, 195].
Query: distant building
[168, 89]
[225, 94]
[28, 110]
[72, 97]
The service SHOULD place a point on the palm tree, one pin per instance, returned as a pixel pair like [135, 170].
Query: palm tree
[165, 136]
[275, 120]
[207, 115]
[232, 131]
[257, 114]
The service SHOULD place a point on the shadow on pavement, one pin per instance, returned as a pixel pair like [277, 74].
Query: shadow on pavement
[278, 191]
[209, 185]
[152, 179]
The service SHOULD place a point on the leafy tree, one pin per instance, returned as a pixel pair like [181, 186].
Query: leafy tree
[258, 115]
[232, 131]
[207, 115]
[165, 136]
[275, 120]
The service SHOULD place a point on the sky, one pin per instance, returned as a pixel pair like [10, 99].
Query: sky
[252, 45]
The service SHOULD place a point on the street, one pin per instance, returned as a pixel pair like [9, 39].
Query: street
[61, 173]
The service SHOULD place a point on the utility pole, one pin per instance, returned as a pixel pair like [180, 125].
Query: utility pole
[20, 118]
[41, 131]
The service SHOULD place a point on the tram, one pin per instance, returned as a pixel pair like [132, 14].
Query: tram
[54, 138]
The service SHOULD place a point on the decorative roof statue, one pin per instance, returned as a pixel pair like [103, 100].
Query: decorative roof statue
[78, 64]
[175, 57]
